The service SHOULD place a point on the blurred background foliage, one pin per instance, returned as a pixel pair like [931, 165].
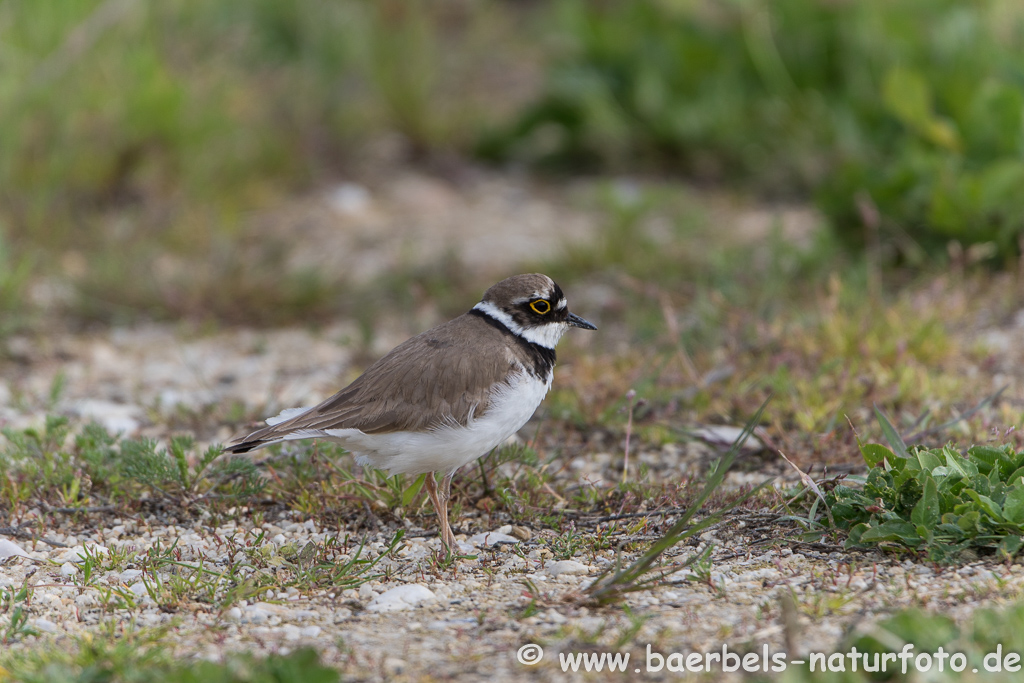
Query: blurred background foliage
[133, 132]
[903, 118]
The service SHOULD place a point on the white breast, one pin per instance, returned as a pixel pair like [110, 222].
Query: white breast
[448, 447]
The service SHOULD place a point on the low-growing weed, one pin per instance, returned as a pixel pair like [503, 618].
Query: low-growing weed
[38, 464]
[939, 501]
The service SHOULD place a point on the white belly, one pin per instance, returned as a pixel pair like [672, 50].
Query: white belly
[448, 447]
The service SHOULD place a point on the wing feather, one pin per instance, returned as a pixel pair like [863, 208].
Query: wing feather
[443, 376]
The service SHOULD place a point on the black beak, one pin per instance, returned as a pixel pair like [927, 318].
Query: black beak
[577, 321]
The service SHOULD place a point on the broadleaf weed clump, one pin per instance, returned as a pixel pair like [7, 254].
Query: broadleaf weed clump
[940, 502]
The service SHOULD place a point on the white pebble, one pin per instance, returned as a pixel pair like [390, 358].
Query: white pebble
[129, 575]
[566, 567]
[45, 625]
[490, 538]
[405, 597]
[9, 549]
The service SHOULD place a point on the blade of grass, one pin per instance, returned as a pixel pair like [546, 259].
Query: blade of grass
[891, 435]
[612, 584]
[410, 493]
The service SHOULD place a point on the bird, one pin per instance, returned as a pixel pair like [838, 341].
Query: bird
[444, 397]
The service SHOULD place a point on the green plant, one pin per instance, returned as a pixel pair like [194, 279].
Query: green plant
[13, 602]
[139, 655]
[136, 140]
[902, 118]
[982, 645]
[938, 501]
[40, 464]
[14, 274]
[170, 470]
[645, 572]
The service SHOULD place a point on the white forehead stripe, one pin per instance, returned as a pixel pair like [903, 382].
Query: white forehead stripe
[561, 303]
[532, 297]
[546, 335]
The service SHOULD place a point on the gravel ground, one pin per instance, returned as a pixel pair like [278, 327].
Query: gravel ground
[467, 624]
[417, 622]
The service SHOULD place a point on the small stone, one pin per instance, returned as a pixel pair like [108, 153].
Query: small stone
[233, 614]
[726, 435]
[522, 533]
[10, 549]
[68, 569]
[405, 597]
[256, 615]
[349, 199]
[491, 538]
[129, 575]
[115, 417]
[566, 567]
[553, 617]
[45, 625]
[394, 666]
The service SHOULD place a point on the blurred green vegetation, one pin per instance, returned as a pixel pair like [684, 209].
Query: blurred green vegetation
[903, 119]
[138, 140]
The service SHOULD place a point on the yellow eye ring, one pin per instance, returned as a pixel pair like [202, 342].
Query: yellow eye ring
[540, 306]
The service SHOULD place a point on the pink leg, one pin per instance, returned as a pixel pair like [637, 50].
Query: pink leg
[441, 508]
[445, 496]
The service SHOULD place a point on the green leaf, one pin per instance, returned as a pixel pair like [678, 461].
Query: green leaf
[926, 512]
[1015, 477]
[904, 532]
[959, 464]
[410, 493]
[891, 435]
[928, 460]
[874, 454]
[856, 532]
[950, 528]
[990, 507]
[908, 97]
[993, 458]
[1009, 546]
[1013, 507]
[968, 522]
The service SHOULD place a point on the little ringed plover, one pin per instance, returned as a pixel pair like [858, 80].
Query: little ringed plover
[444, 397]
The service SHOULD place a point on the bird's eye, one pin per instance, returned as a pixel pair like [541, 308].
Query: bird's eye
[540, 306]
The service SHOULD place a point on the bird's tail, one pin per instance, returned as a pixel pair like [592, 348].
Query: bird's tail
[270, 434]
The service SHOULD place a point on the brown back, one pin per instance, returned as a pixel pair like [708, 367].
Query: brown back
[441, 376]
